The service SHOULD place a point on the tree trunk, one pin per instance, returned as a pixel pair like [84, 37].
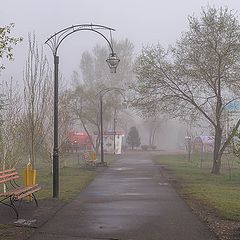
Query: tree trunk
[153, 136]
[85, 128]
[150, 138]
[97, 143]
[217, 155]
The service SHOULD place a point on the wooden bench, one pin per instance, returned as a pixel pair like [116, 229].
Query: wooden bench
[13, 192]
[89, 159]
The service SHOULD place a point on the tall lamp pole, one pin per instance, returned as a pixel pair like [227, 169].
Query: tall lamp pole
[101, 128]
[101, 94]
[114, 132]
[54, 42]
[188, 145]
[55, 131]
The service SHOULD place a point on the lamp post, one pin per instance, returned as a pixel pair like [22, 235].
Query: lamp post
[188, 145]
[114, 132]
[54, 42]
[101, 128]
[101, 94]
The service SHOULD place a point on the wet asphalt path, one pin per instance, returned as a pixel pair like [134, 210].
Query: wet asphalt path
[129, 201]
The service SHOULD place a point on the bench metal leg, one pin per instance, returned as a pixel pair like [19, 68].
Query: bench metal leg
[14, 207]
[10, 205]
[35, 199]
[19, 205]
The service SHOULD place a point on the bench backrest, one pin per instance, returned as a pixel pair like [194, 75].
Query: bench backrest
[8, 175]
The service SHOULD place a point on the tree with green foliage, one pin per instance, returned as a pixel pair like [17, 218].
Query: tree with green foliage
[195, 79]
[133, 138]
[6, 43]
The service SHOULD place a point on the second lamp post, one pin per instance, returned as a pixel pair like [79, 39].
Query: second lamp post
[101, 94]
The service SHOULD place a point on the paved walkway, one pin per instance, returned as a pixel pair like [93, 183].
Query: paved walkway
[128, 201]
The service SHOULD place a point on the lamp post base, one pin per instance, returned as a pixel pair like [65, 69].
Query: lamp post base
[102, 164]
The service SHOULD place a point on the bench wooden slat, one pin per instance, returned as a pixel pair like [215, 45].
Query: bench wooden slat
[8, 174]
[22, 195]
[7, 171]
[4, 180]
[24, 189]
[10, 192]
[21, 190]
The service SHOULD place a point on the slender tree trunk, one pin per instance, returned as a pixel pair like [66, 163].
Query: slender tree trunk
[150, 139]
[153, 136]
[98, 140]
[4, 167]
[217, 155]
[85, 128]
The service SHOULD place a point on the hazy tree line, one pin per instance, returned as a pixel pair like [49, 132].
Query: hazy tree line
[26, 127]
[25, 109]
[92, 77]
[193, 80]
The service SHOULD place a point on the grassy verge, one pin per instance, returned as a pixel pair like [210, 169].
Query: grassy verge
[220, 193]
[73, 176]
[72, 181]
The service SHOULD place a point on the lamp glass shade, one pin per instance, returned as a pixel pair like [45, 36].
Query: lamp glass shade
[113, 62]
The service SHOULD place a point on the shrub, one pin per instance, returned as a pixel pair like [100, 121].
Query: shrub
[144, 147]
[153, 147]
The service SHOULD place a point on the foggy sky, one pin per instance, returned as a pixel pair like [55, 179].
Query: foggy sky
[140, 21]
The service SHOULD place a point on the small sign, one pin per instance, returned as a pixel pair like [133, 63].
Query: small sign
[233, 106]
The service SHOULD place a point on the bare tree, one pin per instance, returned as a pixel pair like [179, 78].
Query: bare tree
[10, 139]
[83, 103]
[152, 125]
[36, 91]
[65, 120]
[197, 78]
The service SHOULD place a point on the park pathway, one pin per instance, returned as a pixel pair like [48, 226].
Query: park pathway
[130, 200]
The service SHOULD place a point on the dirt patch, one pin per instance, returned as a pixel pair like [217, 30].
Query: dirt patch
[10, 232]
[224, 229]
[30, 218]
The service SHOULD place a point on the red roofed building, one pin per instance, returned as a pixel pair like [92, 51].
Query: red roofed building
[77, 141]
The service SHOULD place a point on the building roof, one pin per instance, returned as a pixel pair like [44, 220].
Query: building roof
[205, 139]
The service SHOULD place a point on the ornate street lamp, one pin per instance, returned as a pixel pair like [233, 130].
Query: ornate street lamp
[113, 62]
[54, 42]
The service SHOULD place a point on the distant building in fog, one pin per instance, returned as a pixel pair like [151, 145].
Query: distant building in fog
[203, 144]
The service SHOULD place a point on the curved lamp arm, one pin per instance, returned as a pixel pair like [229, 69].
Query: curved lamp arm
[55, 40]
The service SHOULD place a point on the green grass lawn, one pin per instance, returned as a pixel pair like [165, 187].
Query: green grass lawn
[73, 176]
[72, 181]
[221, 192]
